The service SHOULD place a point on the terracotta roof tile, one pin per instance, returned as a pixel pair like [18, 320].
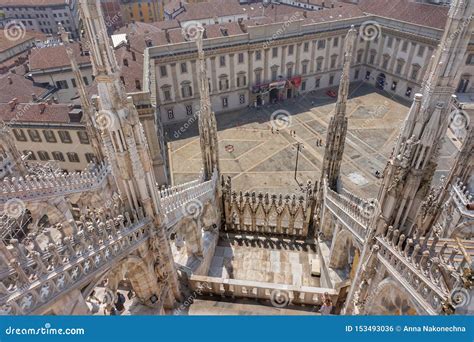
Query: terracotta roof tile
[6, 43]
[32, 2]
[20, 88]
[31, 112]
[55, 57]
[404, 10]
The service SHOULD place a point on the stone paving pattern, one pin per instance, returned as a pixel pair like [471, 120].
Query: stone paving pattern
[263, 161]
[265, 260]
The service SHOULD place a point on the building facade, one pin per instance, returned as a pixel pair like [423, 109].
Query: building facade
[41, 17]
[254, 64]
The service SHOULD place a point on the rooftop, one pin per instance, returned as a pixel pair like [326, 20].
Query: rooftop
[35, 113]
[55, 57]
[7, 43]
[36, 3]
[17, 86]
[405, 10]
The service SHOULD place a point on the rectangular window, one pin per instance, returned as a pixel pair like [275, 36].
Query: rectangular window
[394, 85]
[225, 102]
[90, 157]
[241, 58]
[28, 155]
[319, 65]
[58, 156]
[62, 85]
[73, 82]
[258, 55]
[275, 52]
[34, 135]
[303, 86]
[291, 49]
[321, 44]
[390, 42]
[335, 42]
[184, 68]
[43, 155]
[274, 74]
[408, 92]
[356, 74]
[405, 46]
[73, 157]
[83, 137]
[86, 80]
[189, 109]
[331, 80]
[49, 136]
[317, 83]
[421, 51]
[163, 71]
[242, 98]
[222, 61]
[167, 95]
[306, 47]
[170, 114]
[304, 69]
[19, 134]
[65, 137]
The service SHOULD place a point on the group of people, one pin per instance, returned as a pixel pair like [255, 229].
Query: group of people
[118, 306]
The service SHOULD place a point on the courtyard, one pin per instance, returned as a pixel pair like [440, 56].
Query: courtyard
[261, 156]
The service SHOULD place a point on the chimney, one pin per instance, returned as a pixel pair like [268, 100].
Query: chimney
[50, 101]
[42, 107]
[55, 100]
[34, 97]
[10, 81]
[12, 104]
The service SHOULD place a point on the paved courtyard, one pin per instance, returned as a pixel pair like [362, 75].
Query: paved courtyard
[258, 159]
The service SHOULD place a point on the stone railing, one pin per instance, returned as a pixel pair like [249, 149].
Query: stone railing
[41, 187]
[38, 270]
[353, 215]
[5, 165]
[290, 294]
[175, 200]
[428, 271]
[463, 198]
[267, 214]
